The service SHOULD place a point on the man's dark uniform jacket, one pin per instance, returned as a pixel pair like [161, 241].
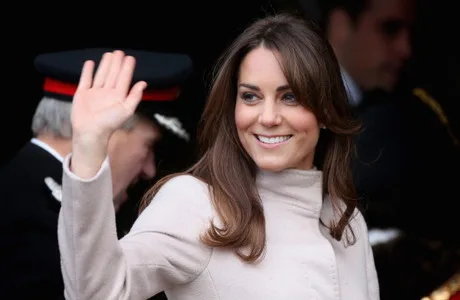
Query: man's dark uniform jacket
[407, 165]
[407, 178]
[29, 251]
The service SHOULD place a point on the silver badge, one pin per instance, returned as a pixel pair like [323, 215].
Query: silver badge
[54, 187]
[174, 125]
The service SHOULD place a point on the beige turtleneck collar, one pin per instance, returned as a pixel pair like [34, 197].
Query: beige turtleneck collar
[293, 189]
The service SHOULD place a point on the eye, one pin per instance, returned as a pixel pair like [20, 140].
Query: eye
[248, 97]
[290, 98]
[391, 28]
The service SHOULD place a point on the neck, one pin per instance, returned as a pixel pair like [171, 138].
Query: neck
[61, 145]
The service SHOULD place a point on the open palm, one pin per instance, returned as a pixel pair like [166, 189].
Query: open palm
[103, 103]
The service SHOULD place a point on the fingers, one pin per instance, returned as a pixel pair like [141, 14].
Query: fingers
[86, 76]
[115, 71]
[126, 75]
[103, 70]
[118, 58]
[135, 96]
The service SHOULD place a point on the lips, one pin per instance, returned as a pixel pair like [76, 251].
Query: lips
[271, 140]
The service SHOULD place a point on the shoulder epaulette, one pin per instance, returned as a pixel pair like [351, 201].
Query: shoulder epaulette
[447, 290]
[426, 98]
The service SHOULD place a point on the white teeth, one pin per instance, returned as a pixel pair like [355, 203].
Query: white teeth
[273, 140]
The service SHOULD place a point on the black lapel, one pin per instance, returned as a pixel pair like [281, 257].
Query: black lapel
[43, 165]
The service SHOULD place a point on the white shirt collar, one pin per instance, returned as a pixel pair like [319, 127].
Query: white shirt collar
[47, 148]
[353, 91]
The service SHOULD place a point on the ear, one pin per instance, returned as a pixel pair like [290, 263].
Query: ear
[340, 26]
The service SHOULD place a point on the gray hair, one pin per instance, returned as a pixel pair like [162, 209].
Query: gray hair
[53, 116]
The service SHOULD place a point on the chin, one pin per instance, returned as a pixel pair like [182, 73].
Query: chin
[270, 166]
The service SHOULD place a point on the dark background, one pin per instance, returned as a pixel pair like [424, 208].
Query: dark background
[200, 30]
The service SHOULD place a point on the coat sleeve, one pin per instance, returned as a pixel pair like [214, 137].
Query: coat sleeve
[163, 248]
[371, 271]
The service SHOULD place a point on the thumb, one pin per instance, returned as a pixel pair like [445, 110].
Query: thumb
[135, 95]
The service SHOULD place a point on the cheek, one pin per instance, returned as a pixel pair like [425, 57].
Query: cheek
[304, 122]
[134, 159]
[243, 117]
[137, 151]
[131, 152]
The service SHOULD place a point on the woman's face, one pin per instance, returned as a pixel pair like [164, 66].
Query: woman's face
[274, 128]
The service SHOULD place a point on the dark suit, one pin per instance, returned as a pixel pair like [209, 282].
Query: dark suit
[408, 165]
[382, 169]
[407, 176]
[29, 252]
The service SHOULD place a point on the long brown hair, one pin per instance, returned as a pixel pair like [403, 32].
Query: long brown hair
[314, 76]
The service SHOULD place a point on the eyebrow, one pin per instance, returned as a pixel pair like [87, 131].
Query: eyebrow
[256, 88]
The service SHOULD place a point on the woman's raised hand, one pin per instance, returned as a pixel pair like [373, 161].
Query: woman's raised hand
[101, 104]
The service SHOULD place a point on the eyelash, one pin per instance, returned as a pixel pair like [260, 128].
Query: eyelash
[249, 97]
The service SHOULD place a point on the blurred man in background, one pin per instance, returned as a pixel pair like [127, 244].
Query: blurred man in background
[30, 183]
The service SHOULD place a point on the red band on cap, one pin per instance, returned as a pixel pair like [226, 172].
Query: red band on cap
[64, 88]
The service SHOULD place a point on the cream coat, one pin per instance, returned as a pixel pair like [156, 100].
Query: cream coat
[163, 251]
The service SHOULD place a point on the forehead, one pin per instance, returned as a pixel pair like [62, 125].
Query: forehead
[146, 129]
[381, 10]
[262, 64]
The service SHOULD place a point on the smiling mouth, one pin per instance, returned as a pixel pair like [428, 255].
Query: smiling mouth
[273, 140]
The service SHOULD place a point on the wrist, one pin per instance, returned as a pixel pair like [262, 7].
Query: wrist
[89, 138]
[88, 153]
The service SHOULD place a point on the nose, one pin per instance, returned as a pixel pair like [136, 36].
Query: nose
[269, 114]
[149, 170]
